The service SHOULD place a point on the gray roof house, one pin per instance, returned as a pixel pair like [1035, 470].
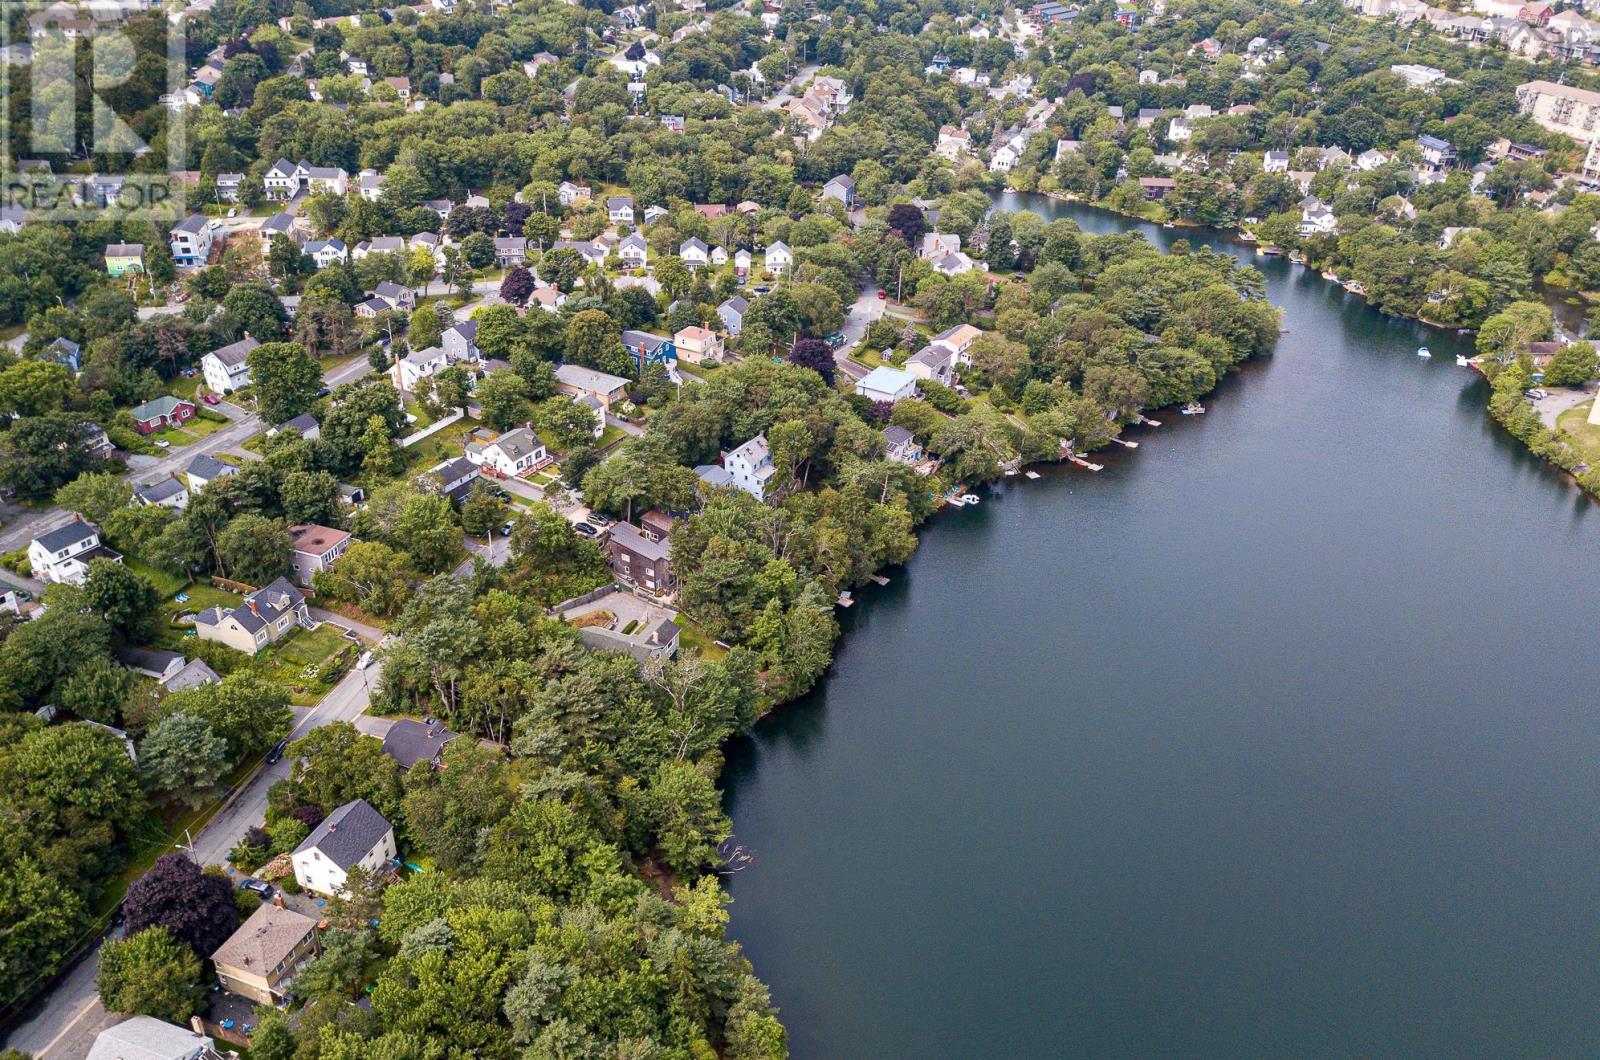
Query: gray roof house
[167, 493]
[151, 662]
[409, 742]
[147, 1038]
[204, 469]
[354, 835]
[732, 312]
[194, 674]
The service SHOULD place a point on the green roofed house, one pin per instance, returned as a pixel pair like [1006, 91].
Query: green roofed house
[164, 411]
[122, 258]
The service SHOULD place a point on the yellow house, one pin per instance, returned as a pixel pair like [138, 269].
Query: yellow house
[260, 960]
[123, 258]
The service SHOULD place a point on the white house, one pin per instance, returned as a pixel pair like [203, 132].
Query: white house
[568, 193]
[694, 253]
[204, 470]
[887, 384]
[619, 208]
[1003, 160]
[354, 835]
[510, 454]
[228, 368]
[1316, 218]
[750, 467]
[190, 242]
[64, 554]
[633, 251]
[414, 367]
[370, 184]
[147, 1038]
[1275, 162]
[326, 252]
[778, 257]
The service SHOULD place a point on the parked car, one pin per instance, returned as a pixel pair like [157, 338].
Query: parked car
[365, 660]
[599, 520]
[882, 294]
[212, 399]
[162, 443]
[260, 887]
[585, 530]
[276, 754]
[505, 527]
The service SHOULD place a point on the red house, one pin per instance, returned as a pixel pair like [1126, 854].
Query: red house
[164, 411]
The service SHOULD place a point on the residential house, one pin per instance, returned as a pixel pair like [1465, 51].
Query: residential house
[230, 187]
[1157, 188]
[510, 251]
[194, 674]
[64, 554]
[204, 470]
[285, 224]
[960, 339]
[647, 349]
[750, 467]
[264, 617]
[1004, 158]
[460, 341]
[261, 959]
[378, 245]
[1316, 218]
[314, 548]
[548, 298]
[694, 253]
[409, 742]
[1371, 159]
[124, 258]
[731, 313]
[166, 493]
[568, 193]
[934, 361]
[453, 478]
[1437, 154]
[279, 180]
[305, 423]
[778, 258]
[841, 189]
[409, 371]
[507, 455]
[901, 446]
[398, 295]
[593, 252]
[619, 208]
[162, 412]
[1275, 162]
[696, 344]
[150, 662]
[742, 262]
[596, 410]
[65, 352]
[640, 559]
[190, 242]
[326, 252]
[576, 381]
[719, 256]
[96, 441]
[147, 1038]
[369, 183]
[227, 368]
[885, 384]
[634, 252]
[353, 836]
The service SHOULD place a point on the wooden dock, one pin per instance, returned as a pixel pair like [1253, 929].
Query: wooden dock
[1081, 462]
[1147, 421]
[877, 579]
[1125, 443]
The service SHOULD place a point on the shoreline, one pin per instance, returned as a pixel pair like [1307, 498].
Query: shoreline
[1547, 294]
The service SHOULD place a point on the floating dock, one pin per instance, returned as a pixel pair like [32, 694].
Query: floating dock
[877, 579]
[1125, 443]
[1081, 462]
[1147, 421]
[1031, 474]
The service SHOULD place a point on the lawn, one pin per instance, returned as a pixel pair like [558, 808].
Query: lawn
[286, 662]
[612, 436]
[692, 636]
[166, 584]
[1585, 436]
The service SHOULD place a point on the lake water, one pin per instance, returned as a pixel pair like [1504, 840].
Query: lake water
[1276, 738]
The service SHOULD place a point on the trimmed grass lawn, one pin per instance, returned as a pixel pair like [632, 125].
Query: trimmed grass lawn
[446, 445]
[173, 436]
[612, 436]
[691, 636]
[166, 584]
[1585, 436]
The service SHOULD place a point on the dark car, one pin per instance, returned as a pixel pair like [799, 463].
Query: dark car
[585, 530]
[324, 392]
[276, 753]
[259, 887]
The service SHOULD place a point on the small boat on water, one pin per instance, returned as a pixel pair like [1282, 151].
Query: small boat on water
[1193, 408]
[969, 498]
[1462, 361]
[1247, 237]
[1297, 257]
[1329, 274]
[1423, 351]
[1356, 287]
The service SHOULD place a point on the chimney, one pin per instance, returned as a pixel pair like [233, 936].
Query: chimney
[254, 610]
[277, 899]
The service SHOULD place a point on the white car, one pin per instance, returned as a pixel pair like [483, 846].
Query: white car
[365, 660]
[162, 443]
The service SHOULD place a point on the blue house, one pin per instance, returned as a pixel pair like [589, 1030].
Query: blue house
[648, 349]
[65, 352]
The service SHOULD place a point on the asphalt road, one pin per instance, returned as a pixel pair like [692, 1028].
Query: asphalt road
[64, 1023]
